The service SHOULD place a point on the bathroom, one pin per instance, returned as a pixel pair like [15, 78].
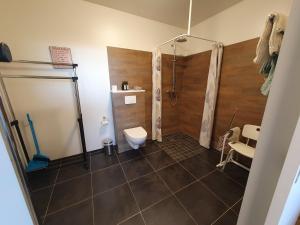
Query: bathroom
[120, 157]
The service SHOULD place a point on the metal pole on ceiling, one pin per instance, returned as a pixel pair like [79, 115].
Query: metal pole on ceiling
[190, 18]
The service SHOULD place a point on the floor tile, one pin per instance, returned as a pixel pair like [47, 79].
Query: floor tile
[81, 214]
[148, 190]
[40, 200]
[150, 148]
[136, 220]
[237, 207]
[136, 168]
[167, 212]
[70, 192]
[211, 156]
[74, 159]
[237, 173]
[114, 206]
[72, 171]
[197, 166]
[160, 159]
[201, 204]
[226, 189]
[107, 178]
[229, 218]
[176, 177]
[100, 161]
[42, 178]
[55, 164]
[129, 155]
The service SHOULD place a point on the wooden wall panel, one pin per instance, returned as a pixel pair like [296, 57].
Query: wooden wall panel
[127, 116]
[239, 88]
[193, 93]
[170, 113]
[135, 67]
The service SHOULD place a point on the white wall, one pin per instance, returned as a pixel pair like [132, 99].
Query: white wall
[240, 22]
[31, 26]
[285, 206]
[13, 207]
[278, 126]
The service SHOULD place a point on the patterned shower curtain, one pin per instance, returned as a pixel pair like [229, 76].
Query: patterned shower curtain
[211, 95]
[156, 95]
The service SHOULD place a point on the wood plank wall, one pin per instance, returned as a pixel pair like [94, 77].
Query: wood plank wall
[239, 87]
[127, 116]
[192, 93]
[170, 112]
[135, 67]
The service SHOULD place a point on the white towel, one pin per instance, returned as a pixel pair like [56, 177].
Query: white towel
[271, 38]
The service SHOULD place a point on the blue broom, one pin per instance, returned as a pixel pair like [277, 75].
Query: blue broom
[39, 160]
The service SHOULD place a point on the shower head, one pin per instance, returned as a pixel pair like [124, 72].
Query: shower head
[181, 39]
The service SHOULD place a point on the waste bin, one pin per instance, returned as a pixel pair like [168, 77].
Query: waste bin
[108, 146]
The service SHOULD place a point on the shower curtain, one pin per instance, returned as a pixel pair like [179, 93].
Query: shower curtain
[156, 95]
[211, 95]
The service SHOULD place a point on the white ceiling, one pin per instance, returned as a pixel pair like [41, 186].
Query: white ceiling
[173, 12]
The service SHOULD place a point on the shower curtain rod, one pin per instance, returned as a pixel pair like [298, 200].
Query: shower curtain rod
[187, 35]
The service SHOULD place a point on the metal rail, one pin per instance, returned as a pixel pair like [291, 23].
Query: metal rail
[45, 63]
[37, 77]
[78, 106]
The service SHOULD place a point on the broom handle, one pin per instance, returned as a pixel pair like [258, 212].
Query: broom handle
[36, 144]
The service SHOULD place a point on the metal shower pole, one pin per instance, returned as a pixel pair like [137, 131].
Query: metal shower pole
[190, 18]
[188, 34]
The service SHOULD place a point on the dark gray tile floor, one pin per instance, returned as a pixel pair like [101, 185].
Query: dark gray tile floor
[140, 187]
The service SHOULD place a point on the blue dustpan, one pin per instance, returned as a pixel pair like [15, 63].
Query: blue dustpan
[39, 160]
[39, 155]
[34, 165]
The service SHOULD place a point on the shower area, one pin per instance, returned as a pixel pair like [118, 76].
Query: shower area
[184, 73]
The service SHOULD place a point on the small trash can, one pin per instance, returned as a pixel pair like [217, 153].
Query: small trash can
[108, 146]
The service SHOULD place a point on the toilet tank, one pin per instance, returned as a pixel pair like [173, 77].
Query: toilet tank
[128, 111]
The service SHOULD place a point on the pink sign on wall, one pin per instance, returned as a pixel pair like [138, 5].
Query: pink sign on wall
[61, 55]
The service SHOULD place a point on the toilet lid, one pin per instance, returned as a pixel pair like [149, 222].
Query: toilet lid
[136, 132]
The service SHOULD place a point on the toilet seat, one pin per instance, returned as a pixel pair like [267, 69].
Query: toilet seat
[136, 132]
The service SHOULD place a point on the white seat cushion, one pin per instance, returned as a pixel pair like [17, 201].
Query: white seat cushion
[243, 149]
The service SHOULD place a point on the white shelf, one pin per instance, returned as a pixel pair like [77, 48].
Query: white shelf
[127, 91]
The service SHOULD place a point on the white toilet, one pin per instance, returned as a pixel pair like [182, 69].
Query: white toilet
[135, 136]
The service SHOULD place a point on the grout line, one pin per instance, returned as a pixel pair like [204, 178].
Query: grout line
[228, 176]
[69, 206]
[130, 160]
[235, 205]
[220, 216]
[136, 178]
[110, 189]
[214, 194]
[130, 217]
[91, 197]
[42, 188]
[126, 178]
[46, 212]
[173, 194]
[73, 178]
[156, 203]
[151, 153]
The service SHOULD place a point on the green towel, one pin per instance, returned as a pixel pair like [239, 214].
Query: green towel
[267, 70]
